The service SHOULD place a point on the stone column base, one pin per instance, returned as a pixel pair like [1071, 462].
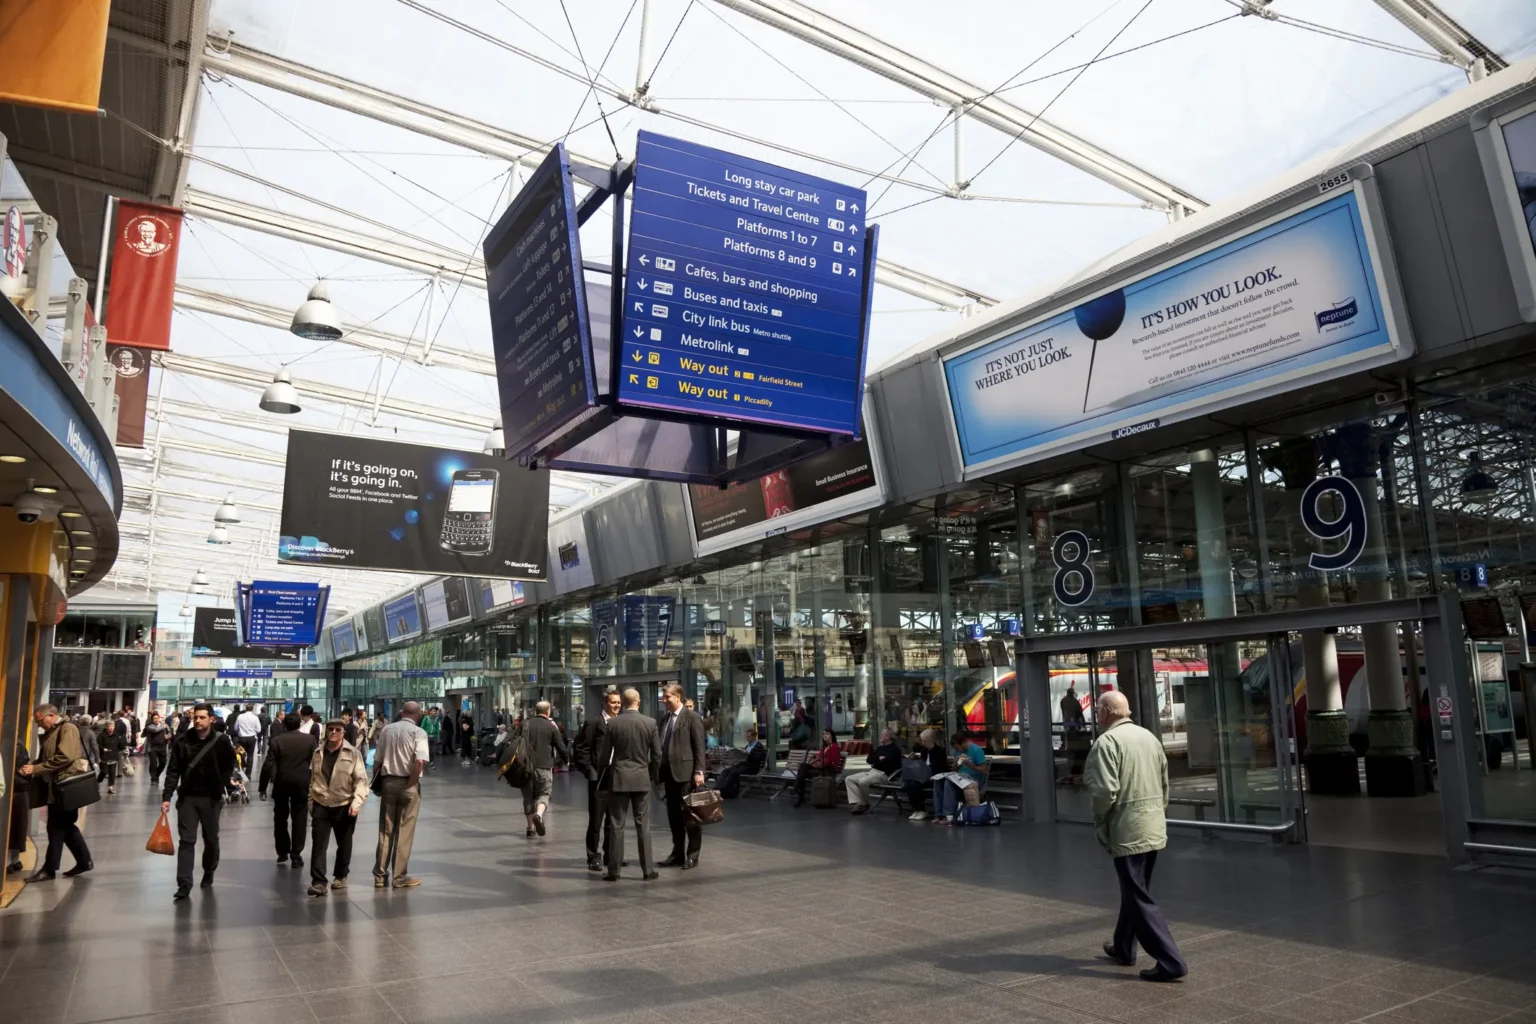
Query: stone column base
[1332, 765]
[1393, 766]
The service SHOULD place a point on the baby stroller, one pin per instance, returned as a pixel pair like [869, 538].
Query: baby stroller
[235, 791]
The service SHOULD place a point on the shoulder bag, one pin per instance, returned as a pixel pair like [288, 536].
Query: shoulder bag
[76, 789]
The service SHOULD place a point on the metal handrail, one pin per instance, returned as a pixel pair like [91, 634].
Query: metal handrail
[1497, 823]
[1510, 851]
[1233, 826]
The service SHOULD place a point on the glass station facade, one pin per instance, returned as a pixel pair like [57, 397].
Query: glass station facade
[912, 616]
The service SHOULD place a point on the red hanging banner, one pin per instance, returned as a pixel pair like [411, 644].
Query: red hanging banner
[143, 276]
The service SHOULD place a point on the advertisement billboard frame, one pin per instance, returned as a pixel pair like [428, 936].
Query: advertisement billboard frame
[384, 608]
[858, 501]
[451, 622]
[537, 509]
[1382, 266]
[1498, 168]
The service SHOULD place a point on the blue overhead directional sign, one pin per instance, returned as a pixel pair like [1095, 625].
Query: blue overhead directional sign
[747, 290]
[539, 327]
[282, 614]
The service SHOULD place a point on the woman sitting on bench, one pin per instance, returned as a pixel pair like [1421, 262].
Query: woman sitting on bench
[916, 783]
[828, 762]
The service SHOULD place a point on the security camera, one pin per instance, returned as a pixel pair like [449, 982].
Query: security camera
[31, 507]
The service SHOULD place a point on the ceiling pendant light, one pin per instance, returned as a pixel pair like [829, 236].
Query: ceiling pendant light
[1477, 486]
[186, 610]
[496, 440]
[218, 535]
[280, 396]
[316, 319]
[199, 579]
[227, 512]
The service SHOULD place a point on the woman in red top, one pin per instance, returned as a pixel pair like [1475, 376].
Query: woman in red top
[828, 762]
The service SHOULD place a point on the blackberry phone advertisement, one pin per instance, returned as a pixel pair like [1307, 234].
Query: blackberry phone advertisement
[834, 483]
[213, 636]
[360, 503]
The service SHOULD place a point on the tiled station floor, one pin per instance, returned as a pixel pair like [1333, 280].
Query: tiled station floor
[795, 916]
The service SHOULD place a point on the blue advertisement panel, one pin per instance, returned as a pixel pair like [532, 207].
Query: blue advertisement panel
[1299, 298]
[402, 618]
[343, 640]
[285, 614]
[745, 296]
[539, 326]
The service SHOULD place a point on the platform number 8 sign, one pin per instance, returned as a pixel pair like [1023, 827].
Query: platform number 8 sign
[1350, 526]
[1070, 553]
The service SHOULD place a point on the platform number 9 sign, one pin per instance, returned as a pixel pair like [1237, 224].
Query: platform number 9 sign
[1074, 576]
[1350, 526]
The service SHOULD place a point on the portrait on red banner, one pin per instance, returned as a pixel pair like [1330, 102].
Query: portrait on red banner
[132, 388]
[142, 278]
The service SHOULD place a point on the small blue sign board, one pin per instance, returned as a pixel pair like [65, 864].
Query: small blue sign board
[539, 327]
[976, 631]
[747, 294]
[1011, 627]
[245, 673]
[281, 614]
[1474, 575]
[422, 673]
[647, 622]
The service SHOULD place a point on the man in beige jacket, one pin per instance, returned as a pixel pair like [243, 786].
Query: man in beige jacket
[338, 788]
[1127, 773]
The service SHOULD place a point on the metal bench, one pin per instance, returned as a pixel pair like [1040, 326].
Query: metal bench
[775, 782]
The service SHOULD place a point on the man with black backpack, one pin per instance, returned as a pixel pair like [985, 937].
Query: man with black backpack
[544, 744]
[202, 761]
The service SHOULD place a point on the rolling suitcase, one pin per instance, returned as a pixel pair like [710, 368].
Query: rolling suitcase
[823, 791]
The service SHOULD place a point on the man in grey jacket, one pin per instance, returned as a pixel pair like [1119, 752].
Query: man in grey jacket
[1127, 773]
[636, 761]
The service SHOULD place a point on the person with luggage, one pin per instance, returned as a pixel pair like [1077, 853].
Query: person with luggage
[338, 788]
[971, 763]
[201, 764]
[286, 770]
[61, 757]
[546, 744]
[683, 752]
[826, 763]
[918, 771]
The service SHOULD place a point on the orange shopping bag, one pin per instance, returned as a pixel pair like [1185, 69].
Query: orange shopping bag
[160, 840]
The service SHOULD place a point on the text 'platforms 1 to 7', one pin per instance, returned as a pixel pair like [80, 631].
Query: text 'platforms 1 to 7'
[746, 296]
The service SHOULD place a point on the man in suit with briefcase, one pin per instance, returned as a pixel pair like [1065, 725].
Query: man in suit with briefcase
[683, 747]
[632, 771]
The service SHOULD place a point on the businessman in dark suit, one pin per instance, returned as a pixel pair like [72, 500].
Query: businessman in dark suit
[590, 754]
[632, 771]
[683, 747]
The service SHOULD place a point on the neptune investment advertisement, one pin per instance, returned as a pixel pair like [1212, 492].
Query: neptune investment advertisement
[1299, 298]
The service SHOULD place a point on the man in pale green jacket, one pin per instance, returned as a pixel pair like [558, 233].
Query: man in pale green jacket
[1127, 773]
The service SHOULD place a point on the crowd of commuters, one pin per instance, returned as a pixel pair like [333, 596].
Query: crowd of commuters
[320, 776]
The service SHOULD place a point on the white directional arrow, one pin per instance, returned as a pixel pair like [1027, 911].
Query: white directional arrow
[644, 260]
[639, 331]
[642, 283]
[639, 307]
[853, 229]
[854, 207]
[853, 250]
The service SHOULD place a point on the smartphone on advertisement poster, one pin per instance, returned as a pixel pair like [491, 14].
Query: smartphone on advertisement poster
[468, 525]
